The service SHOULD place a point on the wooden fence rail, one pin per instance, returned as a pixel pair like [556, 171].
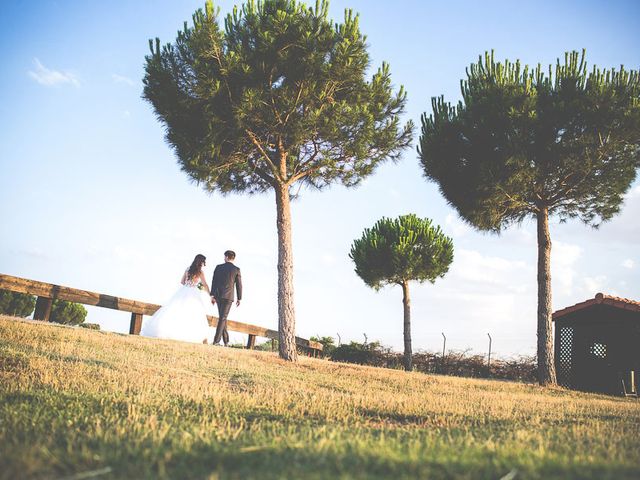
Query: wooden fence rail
[47, 293]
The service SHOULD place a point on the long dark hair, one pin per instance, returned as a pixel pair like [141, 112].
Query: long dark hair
[196, 266]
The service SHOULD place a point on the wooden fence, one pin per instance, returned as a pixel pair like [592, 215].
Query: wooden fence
[46, 293]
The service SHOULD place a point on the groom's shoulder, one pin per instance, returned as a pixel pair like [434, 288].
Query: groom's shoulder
[227, 266]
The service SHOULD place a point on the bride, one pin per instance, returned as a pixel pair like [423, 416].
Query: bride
[184, 316]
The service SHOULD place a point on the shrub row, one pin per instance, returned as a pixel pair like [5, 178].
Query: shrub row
[457, 363]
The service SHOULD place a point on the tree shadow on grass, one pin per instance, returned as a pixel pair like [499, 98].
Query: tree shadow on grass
[235, 461]
[53, 438]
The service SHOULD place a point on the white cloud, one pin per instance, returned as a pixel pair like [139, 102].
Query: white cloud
[122, 79]
[566, 254]
[520, 236]
[628, 263]
[48, 77]
[471, 265]
[563, 259]
[593, 285]
[482, 293]
[457, 226]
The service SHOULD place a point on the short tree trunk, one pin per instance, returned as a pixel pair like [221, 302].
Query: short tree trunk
[546, 366]
[406, 302]
[286, 310]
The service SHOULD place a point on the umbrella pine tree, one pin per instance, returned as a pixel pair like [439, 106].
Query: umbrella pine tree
[395, 252]
[529, 143]
[276, 97]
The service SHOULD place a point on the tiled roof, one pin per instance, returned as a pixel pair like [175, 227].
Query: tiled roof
[600, 298]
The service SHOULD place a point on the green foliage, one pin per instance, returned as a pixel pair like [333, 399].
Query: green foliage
[274, 345]
[90, 326]
[277, 96]
[368, 353]
[67, 313]
[328, 343]
[267, 346]
[16, 304]
[396, 251]
[523, 141]
[455, 363]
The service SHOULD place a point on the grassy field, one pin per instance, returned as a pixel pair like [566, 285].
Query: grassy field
[76, 403]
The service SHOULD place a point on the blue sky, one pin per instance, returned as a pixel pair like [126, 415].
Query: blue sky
[92, 197]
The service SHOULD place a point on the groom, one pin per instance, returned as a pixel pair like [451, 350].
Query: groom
[225, 277]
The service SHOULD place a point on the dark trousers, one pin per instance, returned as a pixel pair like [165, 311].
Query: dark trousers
[223, 311]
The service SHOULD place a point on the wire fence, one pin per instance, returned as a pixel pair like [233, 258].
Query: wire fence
[462, 363]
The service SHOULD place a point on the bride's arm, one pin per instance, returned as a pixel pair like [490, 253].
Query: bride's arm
[204, 282]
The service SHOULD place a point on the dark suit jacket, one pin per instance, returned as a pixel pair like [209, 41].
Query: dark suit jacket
[225, 276]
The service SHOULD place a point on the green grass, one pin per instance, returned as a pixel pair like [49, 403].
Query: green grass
[74, 401]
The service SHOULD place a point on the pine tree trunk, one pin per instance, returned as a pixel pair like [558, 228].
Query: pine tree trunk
[286, 310]
[406, 302]
[546, 366]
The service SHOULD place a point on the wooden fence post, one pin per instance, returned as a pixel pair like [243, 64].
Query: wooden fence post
[251, 342]
[43, 309]
[136, 324]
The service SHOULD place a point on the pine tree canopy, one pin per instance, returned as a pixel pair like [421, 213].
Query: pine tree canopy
[277, 95]
[523, 141]
[395, 251]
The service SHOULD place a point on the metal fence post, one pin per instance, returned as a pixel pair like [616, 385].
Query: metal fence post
[489, 356]
[444, 346]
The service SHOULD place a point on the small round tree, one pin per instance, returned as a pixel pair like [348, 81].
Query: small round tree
[394, 252]
[67, 313]
[16, 304]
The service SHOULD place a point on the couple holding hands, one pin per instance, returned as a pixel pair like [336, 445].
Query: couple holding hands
[184, 316]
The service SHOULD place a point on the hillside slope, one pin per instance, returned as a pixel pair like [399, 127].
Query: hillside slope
[74, 401]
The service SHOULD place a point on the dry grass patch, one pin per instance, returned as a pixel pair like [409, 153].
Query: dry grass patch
[77, 400]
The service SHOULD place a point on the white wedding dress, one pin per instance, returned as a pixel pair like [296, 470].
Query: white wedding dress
[183, 317]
